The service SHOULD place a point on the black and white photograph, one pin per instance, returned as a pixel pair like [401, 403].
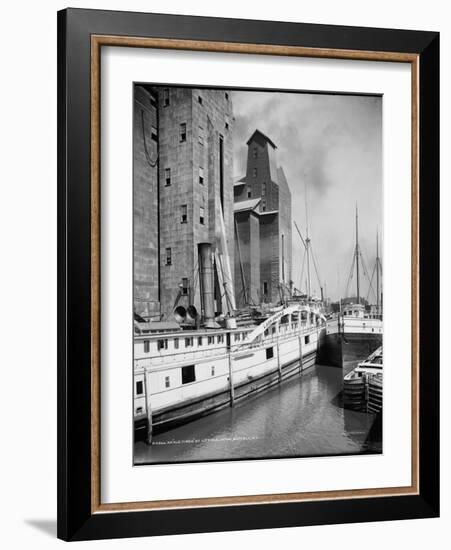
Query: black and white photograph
[257, 272]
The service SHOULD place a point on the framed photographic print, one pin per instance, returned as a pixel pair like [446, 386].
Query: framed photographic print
[248, 274]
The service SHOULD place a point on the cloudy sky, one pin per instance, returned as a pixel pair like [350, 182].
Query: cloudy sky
[331, 145]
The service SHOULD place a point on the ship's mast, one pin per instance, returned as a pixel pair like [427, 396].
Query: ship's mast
[307, 244]
[377, 274]
[357, 252]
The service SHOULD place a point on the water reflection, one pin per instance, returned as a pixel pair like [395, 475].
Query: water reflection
[300, 417]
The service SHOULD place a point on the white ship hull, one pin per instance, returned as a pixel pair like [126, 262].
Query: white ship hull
[183, 375]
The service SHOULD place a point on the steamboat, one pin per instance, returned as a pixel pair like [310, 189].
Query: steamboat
[183, 373]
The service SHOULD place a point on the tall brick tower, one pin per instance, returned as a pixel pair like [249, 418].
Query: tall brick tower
[188, 196]
[263, 227]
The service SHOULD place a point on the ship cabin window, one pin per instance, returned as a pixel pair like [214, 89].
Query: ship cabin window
[167, 382]
[176, 343]
[167, 176]
[211, 339]
[185, 286]
[201, 175]
[307, 339]
[139, 388]
[237, 337]
[199, 340]
[188, 374]
[212, 371]
[269, 353]
[139, 410]
[162, 344]
[183, 213]
[273, 330]
[166, 97]
[188, 342]
[168, 256]
[183, 132]
[202, 215]
[146, 346]
[201, 135]
[220, 339]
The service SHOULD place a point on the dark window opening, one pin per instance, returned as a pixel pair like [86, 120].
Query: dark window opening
[226, 125]
[188, 374]
[254, 172]
[184, 213]
[139, 388]
[202, 215]
[162, 344]
[269, 353]
[167, 175]
[199, 99]
[166, 97]
[249, 191]
[168, 256]
[201, 175]
[226, 96]
[264, 210]
[255, 152]
[185, 286]
[199, 340]
[176, 343]
[201, 135]
[167, 382]
[154, 133]
[183, 131]
[307, 339]
[146, 346]
[265, 287]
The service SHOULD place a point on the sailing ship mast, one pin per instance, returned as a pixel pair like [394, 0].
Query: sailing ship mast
[377, 273]
[307, 244]
[357, 252]
[309, 252]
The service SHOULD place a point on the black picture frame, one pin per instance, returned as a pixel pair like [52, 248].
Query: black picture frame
[76, 518]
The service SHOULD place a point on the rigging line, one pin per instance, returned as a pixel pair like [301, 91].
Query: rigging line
[366, 272]
[316, 268]
[151, 162]
[302, 269]
[351, 273]
[371, 280]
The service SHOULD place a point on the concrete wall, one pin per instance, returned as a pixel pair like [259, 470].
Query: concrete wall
[248, 231]
[208, 120]
[269, 184]
[145, 205]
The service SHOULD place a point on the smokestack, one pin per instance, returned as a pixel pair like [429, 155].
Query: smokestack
[207, 284]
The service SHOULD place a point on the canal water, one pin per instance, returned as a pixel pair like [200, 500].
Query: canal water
[301, 417]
